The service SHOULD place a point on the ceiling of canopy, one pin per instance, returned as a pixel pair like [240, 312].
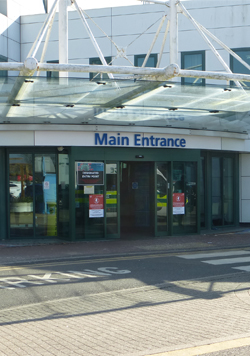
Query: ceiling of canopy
[74, 101]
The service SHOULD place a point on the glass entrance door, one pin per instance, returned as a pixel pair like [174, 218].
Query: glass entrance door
[184, 197]
[33, 195]
[137, 199]
[89, 199]
[111, 206]
[162, 186]
[21, 172]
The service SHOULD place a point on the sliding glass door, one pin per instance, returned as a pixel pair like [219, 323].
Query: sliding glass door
[33, 195]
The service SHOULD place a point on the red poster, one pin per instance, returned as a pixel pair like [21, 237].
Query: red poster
[178, 203]
[96, 208]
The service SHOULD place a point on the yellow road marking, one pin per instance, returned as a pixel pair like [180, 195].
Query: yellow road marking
[205, 349]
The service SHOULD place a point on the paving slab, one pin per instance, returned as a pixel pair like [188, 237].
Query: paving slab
[18, 251]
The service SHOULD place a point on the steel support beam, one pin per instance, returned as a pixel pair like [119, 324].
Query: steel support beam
[151, 73]
[173, 32]
[63, 34]
[91, 36]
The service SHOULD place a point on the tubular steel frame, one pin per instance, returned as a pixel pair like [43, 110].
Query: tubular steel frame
[31, 64]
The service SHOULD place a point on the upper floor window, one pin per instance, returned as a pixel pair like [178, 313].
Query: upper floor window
[194, 60]
[3, 73]
[53, 74]
[97, 61]
[151, 62]
[3, 7]
[236, 66]
[45, 4]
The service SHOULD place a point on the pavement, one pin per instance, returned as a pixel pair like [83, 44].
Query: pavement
[149, 320]
[32, 250]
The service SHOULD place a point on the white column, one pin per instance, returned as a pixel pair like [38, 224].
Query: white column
[173, 32]
[63, 34]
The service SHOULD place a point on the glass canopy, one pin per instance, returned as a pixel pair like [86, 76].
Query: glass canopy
[76, 101]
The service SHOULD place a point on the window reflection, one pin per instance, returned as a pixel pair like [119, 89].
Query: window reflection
[21, 203]
[45, 195]
[162, 207]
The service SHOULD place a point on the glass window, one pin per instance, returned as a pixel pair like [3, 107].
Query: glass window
[216, 191]
[228, 191]
[151, 62]
[63, 195]
[202, 192]
[193, 61]
[238, 67]
[3, 73]
[97, 61]
[3, 7]
[222, 191]
[53, 74]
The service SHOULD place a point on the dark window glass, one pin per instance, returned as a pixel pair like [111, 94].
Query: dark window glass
[53, 74]
[193, 61]
[202, 192]
[222, 191]
[97, 61]
[151, 62]
[3, 73]
[21, 198]
[238, 67]
[63, 195]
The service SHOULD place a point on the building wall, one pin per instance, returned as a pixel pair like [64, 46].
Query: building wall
[229, 21]
[10, 31]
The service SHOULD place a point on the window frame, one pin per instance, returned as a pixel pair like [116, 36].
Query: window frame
[93, 61]
[142, 56]
[231, 63]
[3, 73]
[203, 64]
[49, 73]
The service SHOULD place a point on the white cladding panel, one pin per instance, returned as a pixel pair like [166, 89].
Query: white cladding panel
[14, 32]
[13, 50]
[16, 138]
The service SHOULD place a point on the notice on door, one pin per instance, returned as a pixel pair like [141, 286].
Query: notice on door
[96, 207]
[178, 203]
[90, 173]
